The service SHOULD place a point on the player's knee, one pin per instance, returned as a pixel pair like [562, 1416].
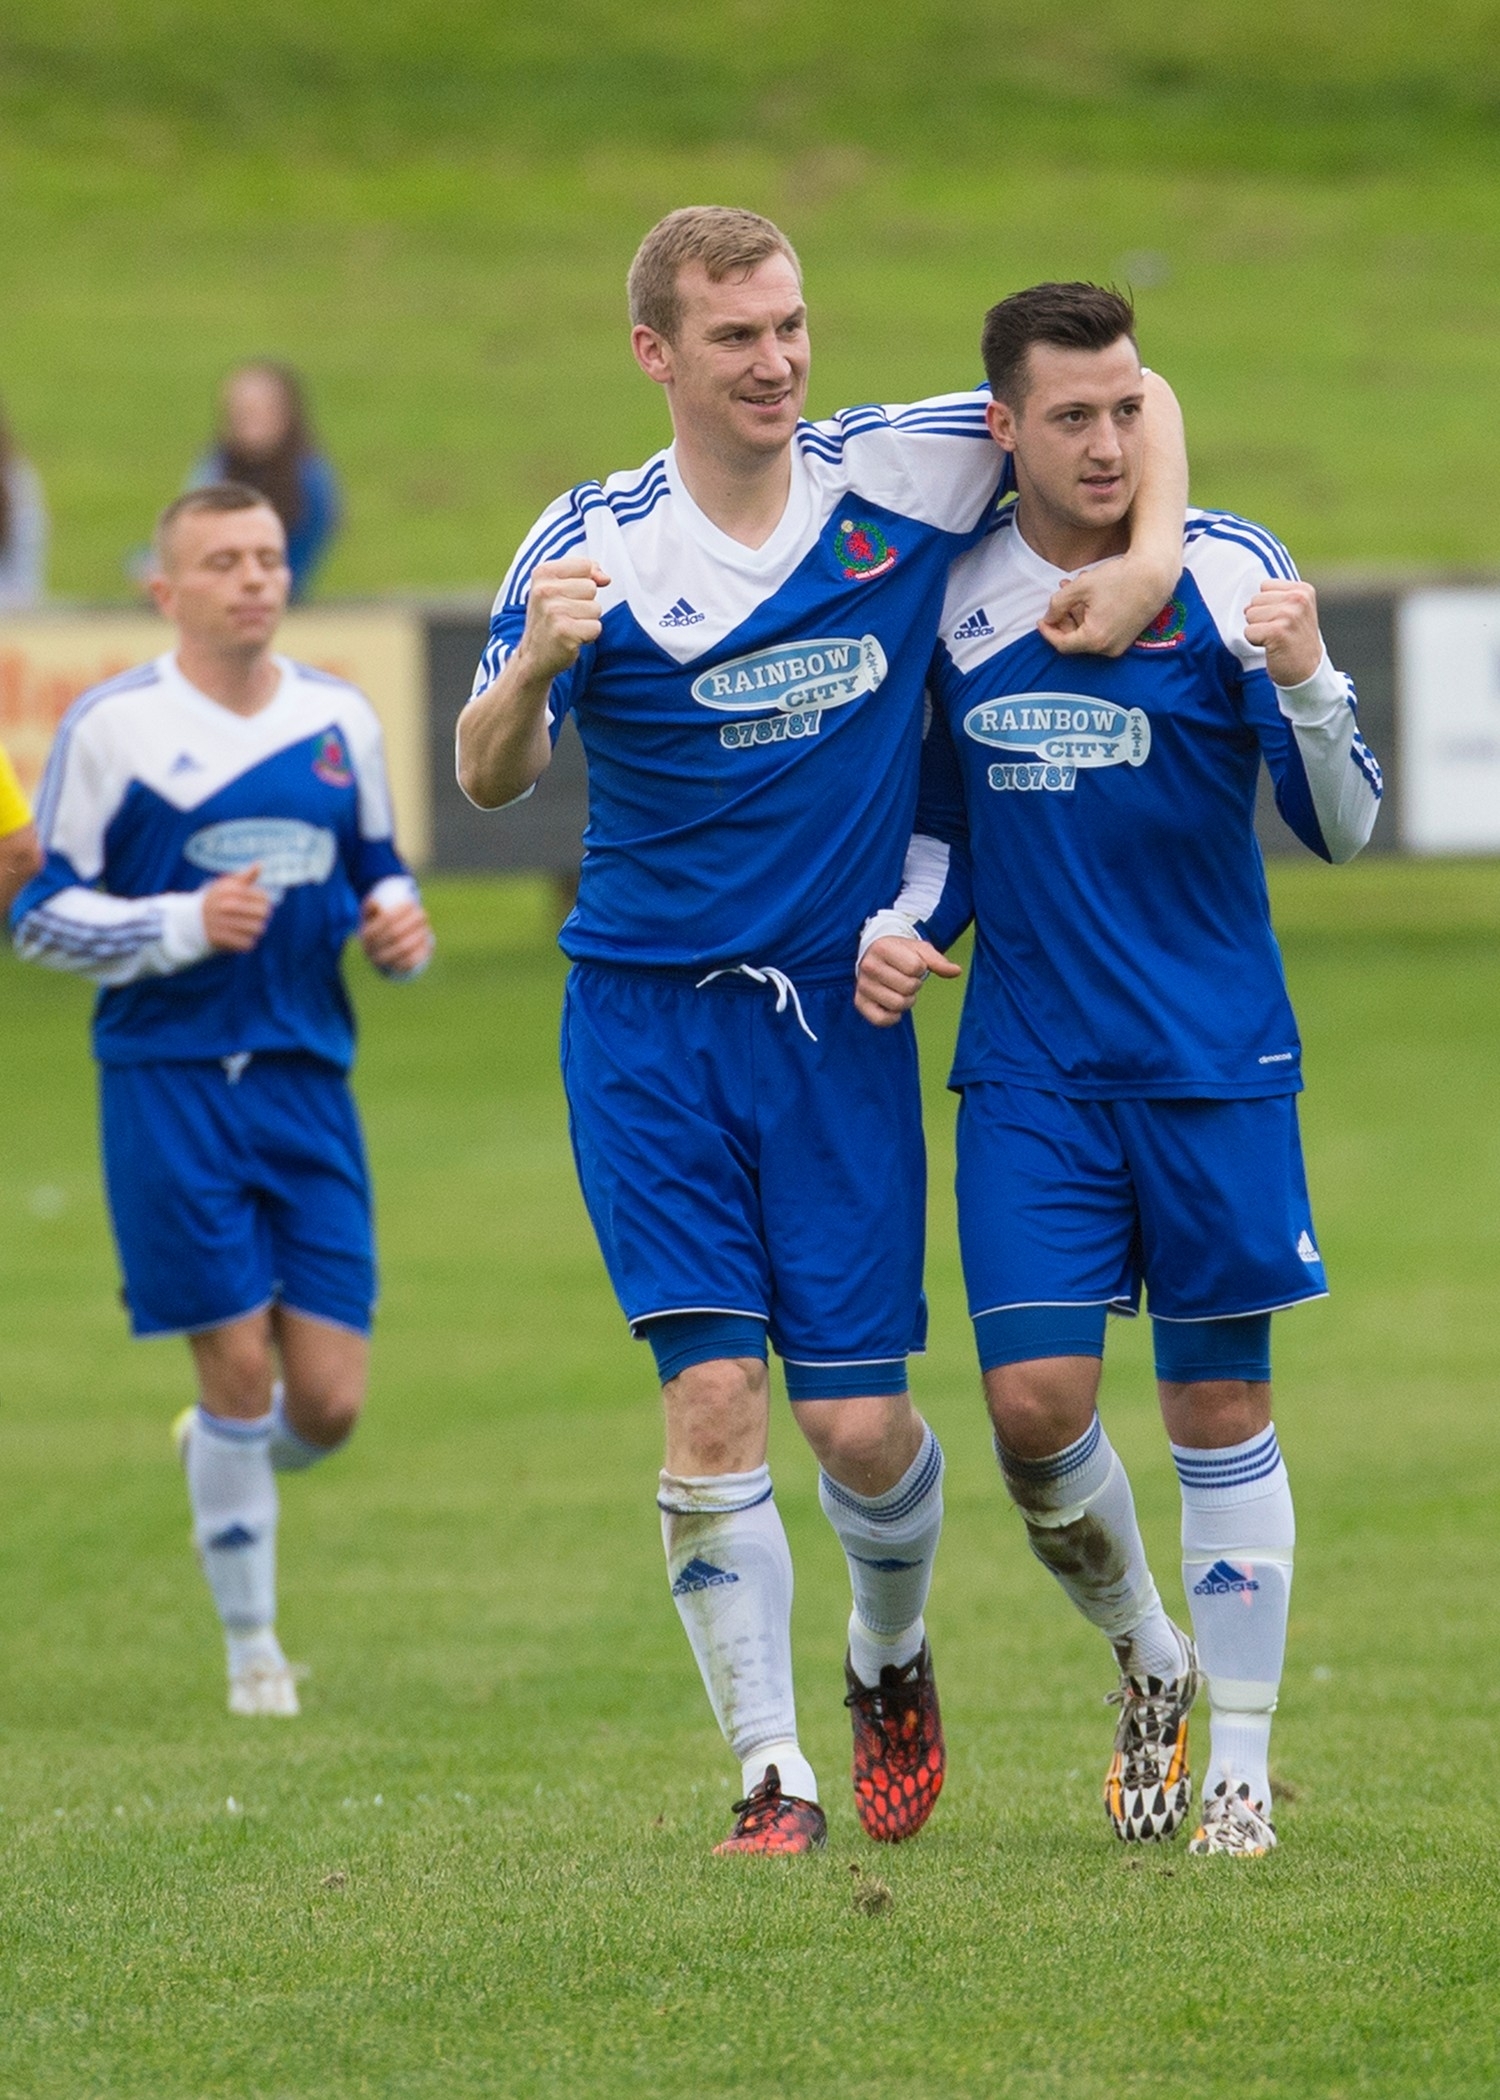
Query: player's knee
[716, 1416]
[325, 1411]
[867, 1443]
[1040, 1407]
[235, 1368]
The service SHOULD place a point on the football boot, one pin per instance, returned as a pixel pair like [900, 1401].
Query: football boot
[899, 1758]
[264, 1686]
[1234, 1825]
[767, 1820]
[1147, 1788]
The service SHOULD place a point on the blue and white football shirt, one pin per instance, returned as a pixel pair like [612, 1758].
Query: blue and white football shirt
[751, 716]
[1096, 818]
[151, 790]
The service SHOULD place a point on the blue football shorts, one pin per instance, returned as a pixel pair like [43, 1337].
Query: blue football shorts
[730, 1164]
[1069, 1202]
[236, 1186]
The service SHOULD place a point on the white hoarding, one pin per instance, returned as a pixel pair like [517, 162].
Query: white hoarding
[1448, 651]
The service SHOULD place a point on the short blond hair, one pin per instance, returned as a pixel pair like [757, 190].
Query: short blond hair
[727, 242]
[209, 499]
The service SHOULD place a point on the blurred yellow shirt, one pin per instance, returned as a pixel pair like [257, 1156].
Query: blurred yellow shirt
[15, 810]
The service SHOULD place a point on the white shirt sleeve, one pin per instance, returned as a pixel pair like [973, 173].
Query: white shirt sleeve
[115, 940]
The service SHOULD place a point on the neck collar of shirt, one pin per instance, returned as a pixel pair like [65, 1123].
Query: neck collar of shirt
[772, 554]
[175, 677]
[1031, 564]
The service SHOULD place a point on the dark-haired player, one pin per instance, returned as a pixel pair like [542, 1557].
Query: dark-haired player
[216, 824]
[741, 629]
[1128, 1061]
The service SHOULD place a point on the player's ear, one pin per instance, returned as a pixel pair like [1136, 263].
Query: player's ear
[653, 353]
[1001, 423]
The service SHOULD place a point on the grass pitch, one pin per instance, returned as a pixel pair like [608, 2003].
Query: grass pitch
[478, 1864]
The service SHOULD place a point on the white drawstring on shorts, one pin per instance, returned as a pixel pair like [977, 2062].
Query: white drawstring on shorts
[783, 985]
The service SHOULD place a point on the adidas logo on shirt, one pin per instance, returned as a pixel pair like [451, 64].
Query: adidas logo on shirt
[701, 1575]
[681, 615]
[1306, 1250]
[185, 762]
[974, 629]
[1223, 1581]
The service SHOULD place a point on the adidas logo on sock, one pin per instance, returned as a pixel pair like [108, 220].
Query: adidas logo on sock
[886, 1567]
[974, 629]
[236, 1535]
[701, 1575]
[1223, 1581]
[1306, 1251]
[681, 615]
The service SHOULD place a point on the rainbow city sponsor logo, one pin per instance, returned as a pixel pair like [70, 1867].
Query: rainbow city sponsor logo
[1063, 733]
[790, 686]
[287, 851]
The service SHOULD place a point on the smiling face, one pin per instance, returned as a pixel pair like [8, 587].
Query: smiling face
[1078, 437]
[223, 578]
[736, 369]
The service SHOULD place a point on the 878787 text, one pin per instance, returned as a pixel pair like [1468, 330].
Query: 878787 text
[1056, 779]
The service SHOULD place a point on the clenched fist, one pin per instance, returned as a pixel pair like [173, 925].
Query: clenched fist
[236, 911]
[1282, 619]
[562, 614]
[891, 973]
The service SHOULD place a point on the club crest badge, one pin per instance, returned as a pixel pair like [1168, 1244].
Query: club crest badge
[862, 550]
[331, 761]
[1166, 630]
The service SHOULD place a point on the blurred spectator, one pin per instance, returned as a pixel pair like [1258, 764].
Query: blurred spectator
[265, 440]
[23, 529]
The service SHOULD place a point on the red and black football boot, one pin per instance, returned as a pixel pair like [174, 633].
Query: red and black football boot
[768, 1820]
[899, 1759]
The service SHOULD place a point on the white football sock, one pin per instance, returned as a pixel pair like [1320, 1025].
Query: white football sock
[246, 1649]
[290, 1451]
[890, 1540]
[731, 1574]
[1238, 1535]
[1080, 1521]
[233, 1494]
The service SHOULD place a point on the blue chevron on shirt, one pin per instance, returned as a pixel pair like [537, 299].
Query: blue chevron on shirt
[752, 716]
[1095, 817]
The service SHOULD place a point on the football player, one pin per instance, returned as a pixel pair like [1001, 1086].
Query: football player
[1128, 1061]
[741, 629]
[216, 824]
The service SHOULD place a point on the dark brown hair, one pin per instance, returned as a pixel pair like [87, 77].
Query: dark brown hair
[728, 242]
[213, 497]
[1073, 316]
[275, 474]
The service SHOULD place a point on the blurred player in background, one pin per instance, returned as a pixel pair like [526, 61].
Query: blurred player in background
[265, 440]
[1128, 1061]
[741, 628]
[216, 824]
[20, 852]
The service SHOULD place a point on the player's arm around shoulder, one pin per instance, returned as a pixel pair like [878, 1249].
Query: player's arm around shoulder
[1101, 612]
[504, 743]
